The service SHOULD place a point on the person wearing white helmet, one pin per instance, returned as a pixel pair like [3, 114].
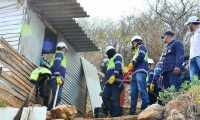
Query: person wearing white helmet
[58, 70]
[194, 26]
[139, 73]
[150, 75]
[113, 76]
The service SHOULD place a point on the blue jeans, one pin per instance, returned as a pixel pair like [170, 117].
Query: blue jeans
[195, 67]
[112, 105]
[169, 78]
[53, 85]
[138, 84]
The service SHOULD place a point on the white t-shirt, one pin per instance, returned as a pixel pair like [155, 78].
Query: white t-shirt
[195, 44]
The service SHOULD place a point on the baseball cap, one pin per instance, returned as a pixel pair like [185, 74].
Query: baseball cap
[192, 19]
[167, 33]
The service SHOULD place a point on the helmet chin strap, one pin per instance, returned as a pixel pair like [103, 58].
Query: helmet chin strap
[138, 43]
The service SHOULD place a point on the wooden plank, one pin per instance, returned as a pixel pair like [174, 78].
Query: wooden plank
[14, 87]
[11, 27]
[13, 101]
[11, 91]
[11, 14]
[14, 82]
[13, 18]
[16, 54]
[20, 81]
[100, 73]
[17, 89]
[18, 75]
[14, 31]
[8, 23]
[13, 67]
[16, 61]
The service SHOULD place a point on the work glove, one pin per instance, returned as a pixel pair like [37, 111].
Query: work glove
[58, 80]
[148, 87]
[152, 87]
[111, 80]
[130, 66]
[126, 69]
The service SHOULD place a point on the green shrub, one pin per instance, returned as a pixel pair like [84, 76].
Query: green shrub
[171, 93]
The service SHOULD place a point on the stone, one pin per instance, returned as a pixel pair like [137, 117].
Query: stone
[66, 112]
[175, 115]
[178, 105]
[152, 112]
[48, 115]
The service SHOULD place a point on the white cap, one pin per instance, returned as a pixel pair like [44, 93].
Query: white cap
[108, 48]
[61, 44]
[192, 19]
[150, 61]
[135, 37]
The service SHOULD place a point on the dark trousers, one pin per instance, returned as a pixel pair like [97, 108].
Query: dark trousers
[53, 85]
[112, 105]
[169, 79]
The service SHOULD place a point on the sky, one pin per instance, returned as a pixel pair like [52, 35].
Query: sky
[112, 9]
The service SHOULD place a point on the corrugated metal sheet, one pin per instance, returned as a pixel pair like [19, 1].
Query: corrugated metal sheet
[10, 24]
[60, 14]
[31, 45]
[93, 83]
[75, 89]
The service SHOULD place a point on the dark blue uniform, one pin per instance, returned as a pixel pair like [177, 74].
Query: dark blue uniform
[171, 59]
[156, 75]
[150, 76]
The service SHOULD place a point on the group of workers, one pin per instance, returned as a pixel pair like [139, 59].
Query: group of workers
[168, 71]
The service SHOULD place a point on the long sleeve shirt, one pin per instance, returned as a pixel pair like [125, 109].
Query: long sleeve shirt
[140, 60]
[150, 76]
[117, 69]
[172, 56]
[57, 69]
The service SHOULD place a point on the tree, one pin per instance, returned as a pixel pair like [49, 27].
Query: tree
[175, 14]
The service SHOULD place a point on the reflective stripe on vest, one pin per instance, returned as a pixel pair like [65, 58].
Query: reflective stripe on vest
[149, 74]
[137, 53]
[63, 62]
[111, 64]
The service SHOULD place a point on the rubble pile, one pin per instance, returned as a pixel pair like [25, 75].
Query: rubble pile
[66, 112]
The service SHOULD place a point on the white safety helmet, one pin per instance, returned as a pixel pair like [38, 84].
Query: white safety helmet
[150, 61]
[61, 45]
[137, 37]
[108, 48]
[105, 60]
